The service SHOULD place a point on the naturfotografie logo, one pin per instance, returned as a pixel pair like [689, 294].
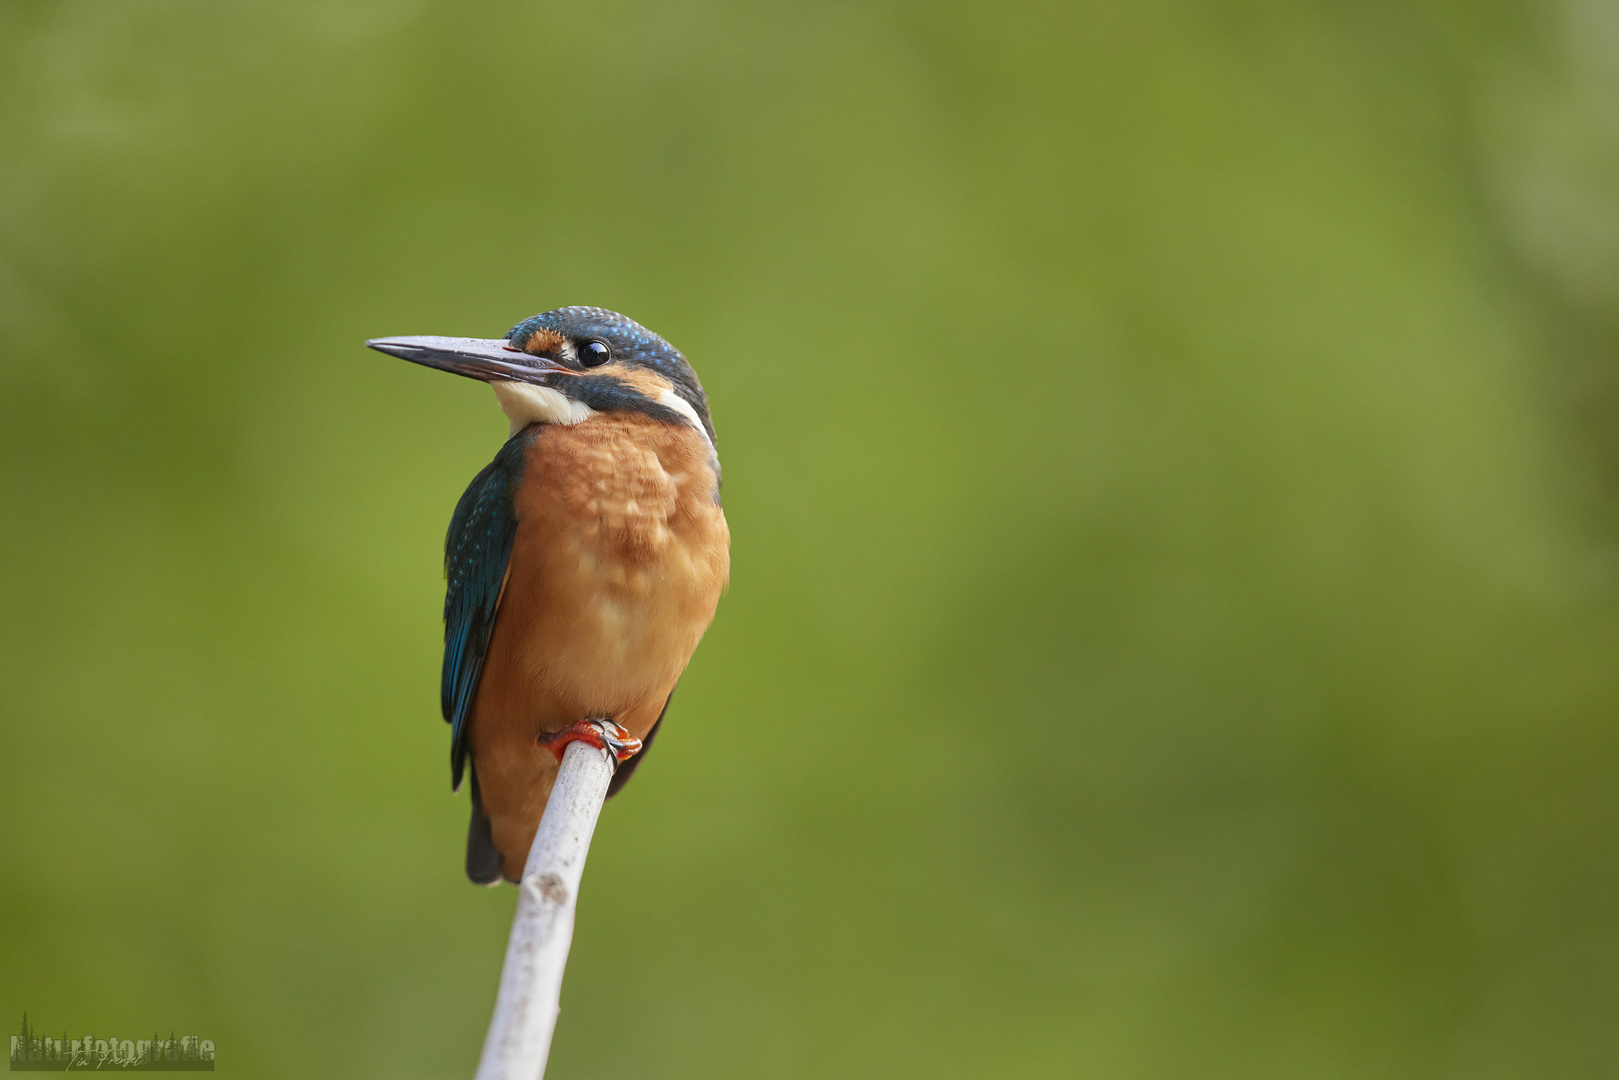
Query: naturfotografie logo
[34, 1051]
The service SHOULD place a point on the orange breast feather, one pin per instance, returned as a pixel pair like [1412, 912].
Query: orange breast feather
[620, 557]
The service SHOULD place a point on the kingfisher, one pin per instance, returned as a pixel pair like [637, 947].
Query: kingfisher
[583, 563]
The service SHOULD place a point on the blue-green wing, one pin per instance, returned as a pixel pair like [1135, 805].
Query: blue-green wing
[476, 550]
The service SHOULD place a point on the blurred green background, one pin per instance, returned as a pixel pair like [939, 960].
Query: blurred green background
[1172, 451]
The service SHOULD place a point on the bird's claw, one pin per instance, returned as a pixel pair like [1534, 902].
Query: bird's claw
[602, 734]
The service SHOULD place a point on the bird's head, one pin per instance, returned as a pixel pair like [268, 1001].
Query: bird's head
[567, 365]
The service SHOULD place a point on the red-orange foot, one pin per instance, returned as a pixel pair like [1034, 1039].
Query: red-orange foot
[602, 734]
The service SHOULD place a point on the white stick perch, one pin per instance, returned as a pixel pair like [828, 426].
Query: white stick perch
[519, 1039]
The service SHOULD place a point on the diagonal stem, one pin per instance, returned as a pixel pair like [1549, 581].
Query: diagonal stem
[526, 1007]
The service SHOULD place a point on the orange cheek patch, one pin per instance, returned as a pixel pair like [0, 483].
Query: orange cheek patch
[541, 342]
[649, 384]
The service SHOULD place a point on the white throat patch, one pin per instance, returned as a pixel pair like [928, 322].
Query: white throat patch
[671, 400]
[526, 403]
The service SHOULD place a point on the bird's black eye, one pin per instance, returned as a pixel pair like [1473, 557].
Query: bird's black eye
[594, 354]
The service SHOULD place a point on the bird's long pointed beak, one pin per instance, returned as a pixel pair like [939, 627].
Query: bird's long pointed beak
[487, 359]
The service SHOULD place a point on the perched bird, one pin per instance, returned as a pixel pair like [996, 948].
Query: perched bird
[583, 563]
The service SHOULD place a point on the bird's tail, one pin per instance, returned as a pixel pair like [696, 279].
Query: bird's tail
[484, 865]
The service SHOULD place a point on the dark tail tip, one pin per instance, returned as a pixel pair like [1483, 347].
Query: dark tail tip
[626, 769]
[484, 865]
